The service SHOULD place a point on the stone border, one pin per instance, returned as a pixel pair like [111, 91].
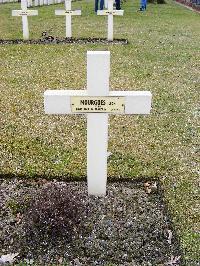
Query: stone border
[54, 40]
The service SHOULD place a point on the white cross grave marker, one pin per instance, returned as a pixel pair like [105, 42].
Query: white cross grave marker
[110, 13]
[24, 13]
[97, 102]
[68, 13]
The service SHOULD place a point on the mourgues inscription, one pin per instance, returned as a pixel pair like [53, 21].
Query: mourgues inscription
[97, 104]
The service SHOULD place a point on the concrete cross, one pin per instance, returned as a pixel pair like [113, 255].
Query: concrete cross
[97, 102]
[68, 13]
[24, 13]
[110, 13]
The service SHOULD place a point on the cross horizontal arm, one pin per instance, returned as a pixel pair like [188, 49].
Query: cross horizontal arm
[59, 101]
[19, 13]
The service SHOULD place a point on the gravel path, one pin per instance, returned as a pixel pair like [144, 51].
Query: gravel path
[56, 222]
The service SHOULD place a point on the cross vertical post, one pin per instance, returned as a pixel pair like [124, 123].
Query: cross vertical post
[24, 20]
[110, 20]
[98, 71]
[68, 6]
[110, 13]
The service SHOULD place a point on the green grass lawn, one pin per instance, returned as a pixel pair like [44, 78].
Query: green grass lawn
[163, 56]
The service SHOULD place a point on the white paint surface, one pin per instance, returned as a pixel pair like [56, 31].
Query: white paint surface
[58, 102]
[110, 13]
[98, 73]
[68, 13]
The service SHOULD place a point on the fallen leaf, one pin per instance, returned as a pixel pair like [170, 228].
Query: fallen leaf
[60, 261]
[77, 262]
[147, 187]
[174, 260]
[29, 262]
[154, 186]
[8, 258]
[150, 187]
[169, 240]
[19, 218]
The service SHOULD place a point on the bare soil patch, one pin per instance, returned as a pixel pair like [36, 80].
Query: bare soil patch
[57, 222]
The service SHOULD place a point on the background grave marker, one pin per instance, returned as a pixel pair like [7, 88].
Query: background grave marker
[24, 13]
[68, 13]
[110, 13]
[97, 102]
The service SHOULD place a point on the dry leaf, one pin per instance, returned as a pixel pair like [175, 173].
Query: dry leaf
[169, 240]
[19, 218]
[147, 187]
[60, 260]
[8, 258]
[29, 262]
[77, 262]
[154, 186]
[174, 261]
[150, 187]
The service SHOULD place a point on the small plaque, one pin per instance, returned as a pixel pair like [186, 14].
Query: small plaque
[24, 13]
[97, 104]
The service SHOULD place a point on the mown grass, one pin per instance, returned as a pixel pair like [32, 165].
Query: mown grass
[162, 56]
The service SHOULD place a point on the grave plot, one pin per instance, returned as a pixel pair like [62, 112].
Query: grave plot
[56, 222]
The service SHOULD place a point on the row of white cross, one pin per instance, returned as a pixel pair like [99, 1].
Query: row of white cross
[97, 102]
[30, 3]
[68, 13]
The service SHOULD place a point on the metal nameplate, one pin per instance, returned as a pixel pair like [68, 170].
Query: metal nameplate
[97, 104]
